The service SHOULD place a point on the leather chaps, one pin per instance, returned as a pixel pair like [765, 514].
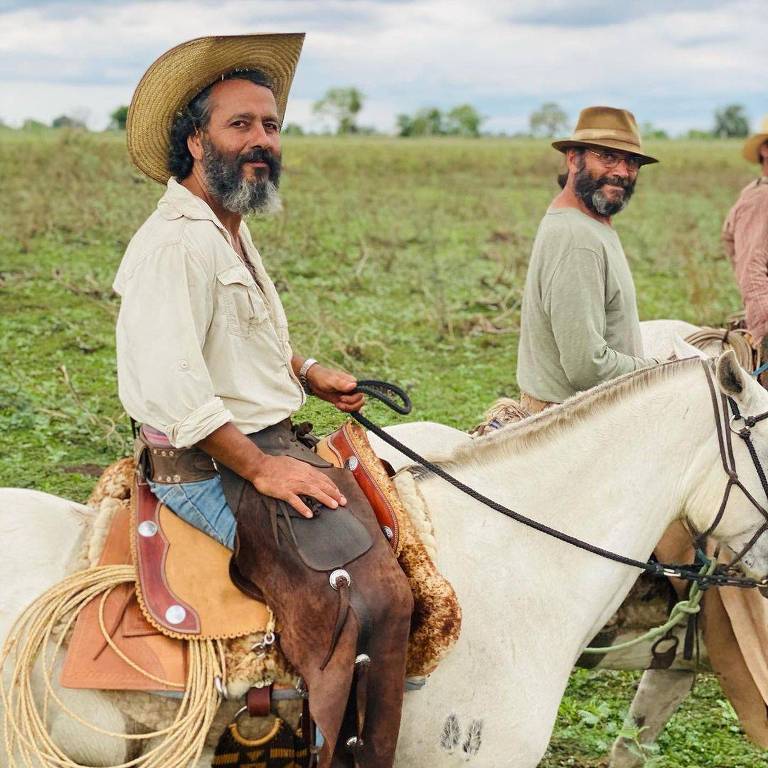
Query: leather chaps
[329, 632]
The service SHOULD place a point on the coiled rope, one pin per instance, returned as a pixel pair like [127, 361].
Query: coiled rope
[736, 340]
[48, 620]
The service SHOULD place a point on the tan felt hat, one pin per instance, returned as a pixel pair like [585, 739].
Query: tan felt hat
[751, 150]
[609, 128]
[181, 73]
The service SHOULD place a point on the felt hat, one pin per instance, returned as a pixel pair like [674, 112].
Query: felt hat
[608, 128]
[751, 150]
[174, 79]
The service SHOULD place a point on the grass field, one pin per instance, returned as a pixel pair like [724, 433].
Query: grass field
[396, 259]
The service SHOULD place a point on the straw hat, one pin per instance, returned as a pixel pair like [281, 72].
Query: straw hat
[608, 128]
[752, 145]
[181, 73]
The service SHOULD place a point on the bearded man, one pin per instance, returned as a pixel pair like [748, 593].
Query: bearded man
[579, 323]
[205, 363]
[745, 237]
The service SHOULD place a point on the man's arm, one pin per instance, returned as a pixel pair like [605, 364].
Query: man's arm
[164, 379]
[577, 313]
[750, 239]
[281, 477]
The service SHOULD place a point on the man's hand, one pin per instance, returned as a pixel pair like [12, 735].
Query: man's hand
[283, 477]
[335, 387]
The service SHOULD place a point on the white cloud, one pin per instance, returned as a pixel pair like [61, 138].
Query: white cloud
[671, 62]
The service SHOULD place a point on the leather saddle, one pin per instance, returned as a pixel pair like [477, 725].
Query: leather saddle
[182, 591]
[183, 588]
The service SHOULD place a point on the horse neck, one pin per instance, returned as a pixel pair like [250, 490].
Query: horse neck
[616, 480]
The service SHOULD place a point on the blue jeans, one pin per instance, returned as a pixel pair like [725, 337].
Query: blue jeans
[201, 504]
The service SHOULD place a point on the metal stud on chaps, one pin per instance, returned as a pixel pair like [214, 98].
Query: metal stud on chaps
[342, 604]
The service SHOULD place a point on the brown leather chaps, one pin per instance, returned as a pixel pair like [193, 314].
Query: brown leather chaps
[286, 561]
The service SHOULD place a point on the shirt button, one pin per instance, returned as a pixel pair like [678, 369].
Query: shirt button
[183, 365]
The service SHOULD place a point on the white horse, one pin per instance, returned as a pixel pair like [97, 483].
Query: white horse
[613, 466]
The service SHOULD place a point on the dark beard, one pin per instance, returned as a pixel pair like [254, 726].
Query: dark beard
[590, 191]
[225, 180]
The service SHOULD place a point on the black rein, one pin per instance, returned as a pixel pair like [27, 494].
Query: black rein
[690, 572]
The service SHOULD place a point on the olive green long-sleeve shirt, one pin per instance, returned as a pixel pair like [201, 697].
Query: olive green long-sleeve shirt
[580, 325]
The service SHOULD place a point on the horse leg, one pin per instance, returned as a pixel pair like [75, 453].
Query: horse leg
[658, 696]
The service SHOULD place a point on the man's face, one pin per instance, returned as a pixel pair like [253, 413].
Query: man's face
[604, 180]
[241, 147]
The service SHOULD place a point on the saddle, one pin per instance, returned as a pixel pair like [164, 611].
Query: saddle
[184, 589]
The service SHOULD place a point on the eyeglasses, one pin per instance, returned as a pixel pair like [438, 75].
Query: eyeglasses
[612, 159]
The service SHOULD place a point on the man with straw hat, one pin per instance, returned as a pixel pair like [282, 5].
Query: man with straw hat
[745, 237]
[579, 322]
[205, 364]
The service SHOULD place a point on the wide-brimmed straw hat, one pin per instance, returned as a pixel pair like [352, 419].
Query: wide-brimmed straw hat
[751, 150]
[608, 128]
[181, 73]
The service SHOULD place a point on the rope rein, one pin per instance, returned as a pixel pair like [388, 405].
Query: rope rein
[383, 391]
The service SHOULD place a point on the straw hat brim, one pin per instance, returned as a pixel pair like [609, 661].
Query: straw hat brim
[181, 73]
[751, 150]
[624, 146]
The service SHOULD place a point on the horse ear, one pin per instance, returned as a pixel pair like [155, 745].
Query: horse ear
[731, 377]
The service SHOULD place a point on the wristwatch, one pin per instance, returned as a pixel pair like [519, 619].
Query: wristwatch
[303, 371]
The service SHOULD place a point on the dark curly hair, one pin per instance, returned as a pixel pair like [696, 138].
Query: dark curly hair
[196, 116]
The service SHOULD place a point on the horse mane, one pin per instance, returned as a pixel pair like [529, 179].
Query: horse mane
[550, 422]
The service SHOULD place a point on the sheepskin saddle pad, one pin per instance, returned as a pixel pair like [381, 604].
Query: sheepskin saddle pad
[194, 598]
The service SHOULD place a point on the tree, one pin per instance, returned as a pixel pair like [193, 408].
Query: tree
[731, 122]
[426, 122]
[549, 120]
[342, 105]
[31, 124]
[67, 121]
[118, 118]
[463, 120]
[292, 129]
[650, 131]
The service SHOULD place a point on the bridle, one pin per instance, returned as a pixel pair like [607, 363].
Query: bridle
[725, 427]
[723, 575]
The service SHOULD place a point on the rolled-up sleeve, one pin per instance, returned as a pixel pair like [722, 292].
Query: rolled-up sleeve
[163, 380]
[577, 313]
[751, 265]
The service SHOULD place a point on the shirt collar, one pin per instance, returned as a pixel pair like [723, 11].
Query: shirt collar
[178, 201]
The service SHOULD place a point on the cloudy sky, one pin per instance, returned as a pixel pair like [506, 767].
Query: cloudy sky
[672, 62]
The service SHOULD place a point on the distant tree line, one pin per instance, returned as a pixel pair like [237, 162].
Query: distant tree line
[340, 109]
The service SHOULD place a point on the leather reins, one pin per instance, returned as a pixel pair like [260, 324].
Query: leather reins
[724, 427]
[384, 391]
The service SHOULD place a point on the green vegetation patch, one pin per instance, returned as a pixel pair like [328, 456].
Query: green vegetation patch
[401, 260]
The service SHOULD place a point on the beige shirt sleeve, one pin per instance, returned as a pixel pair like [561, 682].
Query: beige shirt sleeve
[166, 309]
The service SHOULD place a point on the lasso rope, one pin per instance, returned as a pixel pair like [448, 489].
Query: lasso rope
[681, 610]
[53, 613]
[735, 340]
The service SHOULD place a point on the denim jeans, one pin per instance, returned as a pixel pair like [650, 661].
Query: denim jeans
[201, 504]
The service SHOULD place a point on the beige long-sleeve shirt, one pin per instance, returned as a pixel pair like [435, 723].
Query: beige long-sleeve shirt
[745, 237]
[199, 342]
[579, 321]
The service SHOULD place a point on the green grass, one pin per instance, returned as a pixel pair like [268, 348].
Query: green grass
[396, 259]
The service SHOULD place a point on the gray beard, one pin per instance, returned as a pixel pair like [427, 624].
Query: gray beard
[260, 198]
[237, 194]
[606, 207]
